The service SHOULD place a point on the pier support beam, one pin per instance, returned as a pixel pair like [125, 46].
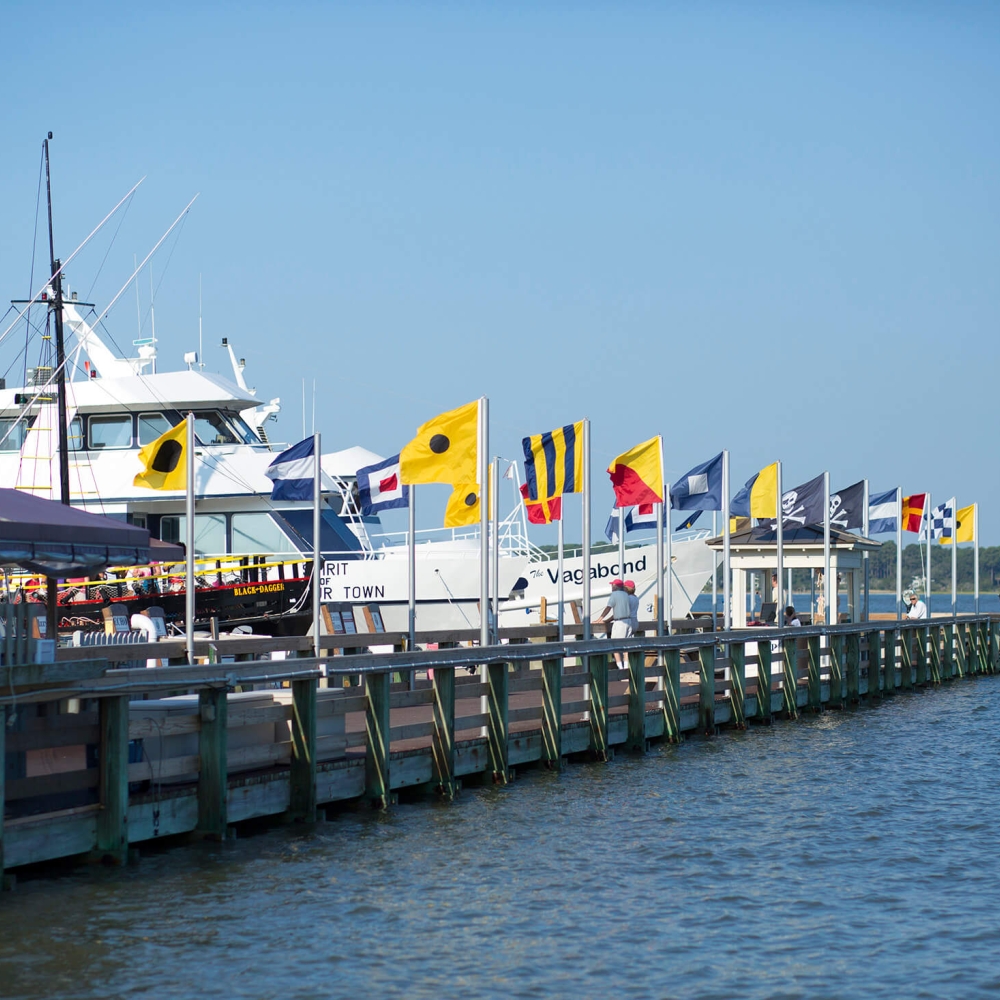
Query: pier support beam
[737, 682]
[3, 777]
[764, 681]
[672, 695]
[920, 657]
[636, 702]
[790, 678]
[906, 659]
[948, 656]
[598, 666]
[213, 779]
[497, 675]
[302, 773]
[706, 701]
[836, 650]
[552, 713]
[815, 695]
[934, 653]
[874, 662]
[961, 661]
[443, 743]
[377, 739]
[112, 821]
[852, 656]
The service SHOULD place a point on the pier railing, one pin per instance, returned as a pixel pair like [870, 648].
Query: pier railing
[101, 756]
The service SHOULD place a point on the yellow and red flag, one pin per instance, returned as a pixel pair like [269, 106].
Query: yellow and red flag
[637, 475]
[541, 511]
[913, 511]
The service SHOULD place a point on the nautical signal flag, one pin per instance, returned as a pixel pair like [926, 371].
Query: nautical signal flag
[701, 488]
[943, 522]
[463, 506]
[380, 487]
[444, 450]
[553, 462]
[293, 472]
[164, 464]
[637, 474]
[913, 511]
[882, 511]
[541, 511]
[759, 497]
[965, 525]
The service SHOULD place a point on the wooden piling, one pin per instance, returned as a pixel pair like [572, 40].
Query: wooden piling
[672, 694]
[948, 655]
[764, 681]
[906, 659]
[706, 700]
[443, 742]
[852, 661]
[112, 820]
[213, 779]
[598, 665]
[636, 702]
[737, 682]
[302, 771]
[836, 651]
[377, 739]
[815, 694]
[790, 677]
[552, 713]
[935, 654]
[497, 727]
[874, 662]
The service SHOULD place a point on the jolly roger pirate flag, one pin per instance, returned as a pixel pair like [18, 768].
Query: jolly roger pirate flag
[164, 464]
[444, 450]
[802, 505]
[847, 507]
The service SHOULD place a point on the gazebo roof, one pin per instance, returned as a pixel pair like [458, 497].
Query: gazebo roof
[762, 537]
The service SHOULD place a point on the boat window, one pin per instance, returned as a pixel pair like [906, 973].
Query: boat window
[13, 432]
[151, 426]
[243, 429]
[211, 428]
[257, 533]
[111, 432]
[209, 532]
[75, 436]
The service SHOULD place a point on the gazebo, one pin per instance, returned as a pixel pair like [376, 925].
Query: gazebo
[754, 556]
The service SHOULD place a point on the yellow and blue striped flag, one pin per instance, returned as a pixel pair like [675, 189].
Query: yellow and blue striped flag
[553, 462]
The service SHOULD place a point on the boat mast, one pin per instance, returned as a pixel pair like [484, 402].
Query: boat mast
[57, 307]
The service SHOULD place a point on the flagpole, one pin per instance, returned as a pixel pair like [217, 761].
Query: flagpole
[317, 549]
[669, 560]
[621, 542]
[586, 528]
[927, 511]
[561, 590]
[493, 494]
[659, 509]
[484, 522]
[715, 572]
[411, 553]
[864, 532]
[899, 549]
[189, 590]
[954, 556]
[975, 552]
[826, 547]
[726, 610]
[781, 547]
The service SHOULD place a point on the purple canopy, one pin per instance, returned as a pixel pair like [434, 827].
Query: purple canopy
[55, 540]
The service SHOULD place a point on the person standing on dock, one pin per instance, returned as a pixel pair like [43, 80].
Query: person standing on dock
[917, 607]
[618, 611]
[633, 606]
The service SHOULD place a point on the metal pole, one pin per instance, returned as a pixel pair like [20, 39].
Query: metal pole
[621, 542]
[927, 511]
[975, 553]
[317, 549]
[189, 589]
[781, 548]
[715, 572]
[560, 592]
[586, 529]
[864, 531]
[670, 562]
[826, 547]
[658, 513]
[494, 498]
[899, 550]
[727, 616]
[484, 522]
[411, 555]
[954, 556]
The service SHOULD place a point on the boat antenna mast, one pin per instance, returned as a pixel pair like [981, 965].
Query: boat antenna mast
[56, 305]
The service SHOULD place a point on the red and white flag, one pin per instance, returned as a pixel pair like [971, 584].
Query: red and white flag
[380, 487]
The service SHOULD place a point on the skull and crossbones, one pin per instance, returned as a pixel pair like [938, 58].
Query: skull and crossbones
[788, 509]
[838, 513]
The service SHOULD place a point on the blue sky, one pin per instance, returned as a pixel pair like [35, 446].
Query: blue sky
[771, 229]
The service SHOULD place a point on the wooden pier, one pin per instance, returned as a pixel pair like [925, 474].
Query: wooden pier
[102, 756]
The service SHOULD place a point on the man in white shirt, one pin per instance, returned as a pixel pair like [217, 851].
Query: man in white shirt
[619, 612]
[917, 608]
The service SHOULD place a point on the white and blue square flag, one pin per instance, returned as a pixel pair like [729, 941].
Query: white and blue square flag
[883, 511]
[292, 472]
[380, 487]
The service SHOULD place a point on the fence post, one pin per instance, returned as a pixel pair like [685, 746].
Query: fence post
[706, 701]
[598, 666]
[764, 680]
[552, 713]
[636, 701]
[443, 742]
[213, 779]
[498, 730]
[889, 662]
[853, 657]
[672, 694]
[994, 650]
[836, 649]
[377, 738]
[302, 772]
[906, 659]
[948, 657]
[935, 653]
[960, 659]
[921, 656]
[737, 681]
[815, 697]
[790, 678]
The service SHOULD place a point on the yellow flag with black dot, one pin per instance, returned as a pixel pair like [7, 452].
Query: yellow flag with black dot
[164, 465]
[463, 506]
[445, 450]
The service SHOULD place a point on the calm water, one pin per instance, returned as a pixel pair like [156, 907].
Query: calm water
[850, 855]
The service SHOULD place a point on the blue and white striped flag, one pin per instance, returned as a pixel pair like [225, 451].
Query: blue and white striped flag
[883, 509]
[292, 472]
